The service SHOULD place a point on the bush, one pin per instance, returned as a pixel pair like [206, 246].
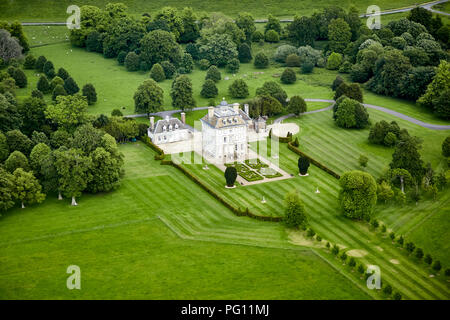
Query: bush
[336, 83]
[307, 67]
[272, 36]
[132, 62]
[387, 290]
[392, 235]
[297, 105]
[437, 266]
[447, 272]
[310, 233]
[63, 74]
[303, 165]
[116, 113]
[410, 247]
[352, 262]
[428, 259]
[283, 52]
[257, 36]
[293, 60]
[261, 61]
[288, 76]
[419, 253]
[233, 66]
[187, 63]
[397, 296]
[121, 57]
[335, 250]
[43, 84]
[30, 62]
[169, 69]
[58, 91]
[70, 86]
[47, 69]
[238, 89]
[204, 64]
[213, 74]
[334, 61]
[344, 257]
[245, 53]
[230, 176]
[90, 93]
[361, 269]
[55, 81]
[157, 73]
[209, 89]
[294, 215]
[20, 78]
[39, 65]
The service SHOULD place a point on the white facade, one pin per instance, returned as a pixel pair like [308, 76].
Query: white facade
[225, 133]
[167, 130]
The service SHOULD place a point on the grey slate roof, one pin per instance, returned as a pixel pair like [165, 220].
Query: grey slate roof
[170, 125]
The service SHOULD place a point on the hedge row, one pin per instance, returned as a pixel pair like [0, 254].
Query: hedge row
[160, 153]
[236, 211]
[313, 161]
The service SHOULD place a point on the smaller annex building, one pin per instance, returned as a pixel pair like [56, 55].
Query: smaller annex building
[168, 130]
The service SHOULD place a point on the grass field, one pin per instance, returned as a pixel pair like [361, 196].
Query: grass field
[128, 244]
[410, 278]
[51, 10]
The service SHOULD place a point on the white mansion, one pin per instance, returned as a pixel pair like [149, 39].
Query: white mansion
[168, 130]
[225, 132]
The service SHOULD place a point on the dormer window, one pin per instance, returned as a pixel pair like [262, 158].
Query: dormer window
[224, 122]
[176, 126]
[235, 120]
[170, 127]
[164, 128]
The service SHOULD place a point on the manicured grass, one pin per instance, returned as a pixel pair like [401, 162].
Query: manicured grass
[41, 35]
[106, 74]
[33, 10]
[426, 224]
[339, 148]
[139, 242]
[444, 7]
[410, 277]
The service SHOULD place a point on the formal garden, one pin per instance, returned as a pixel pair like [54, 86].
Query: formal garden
[367, 174]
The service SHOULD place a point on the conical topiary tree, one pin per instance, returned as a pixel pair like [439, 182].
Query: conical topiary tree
[71, 86]
[230, 176]
[63, 74]
[213, 74]
[48, 66]
[303, 165]
[157, 73]
[20, 78]
[209, 89]
[58, 91]
[43, 84]
[90, 93]
[40, 61]
[245, 53]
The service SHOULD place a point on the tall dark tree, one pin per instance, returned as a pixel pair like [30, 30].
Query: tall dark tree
[406, 156]
[230, 176]
[182, 93]
[90, 93]
[149, 97]
[70, 86]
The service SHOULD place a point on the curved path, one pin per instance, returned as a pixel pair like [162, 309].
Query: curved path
[163, 114]
[371, 106]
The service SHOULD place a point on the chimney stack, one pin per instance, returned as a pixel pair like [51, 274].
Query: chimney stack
[236, 107]
[210, 112]
[246, 109]
[152, 123]
[183, 117]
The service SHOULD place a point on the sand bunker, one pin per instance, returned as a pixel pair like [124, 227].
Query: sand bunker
[296, 237]
[394, 261]
[379, 248]
[356, 253]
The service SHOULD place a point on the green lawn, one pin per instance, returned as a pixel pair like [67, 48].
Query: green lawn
[32, 10]
[42, 35]
[139, 242]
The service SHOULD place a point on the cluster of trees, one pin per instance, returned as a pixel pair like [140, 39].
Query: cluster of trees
[350, 113]
[387, 134]
[398, 60]
[305, 57]
[13, 41]
[149, 41]
[53, 149]
[408, 178]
